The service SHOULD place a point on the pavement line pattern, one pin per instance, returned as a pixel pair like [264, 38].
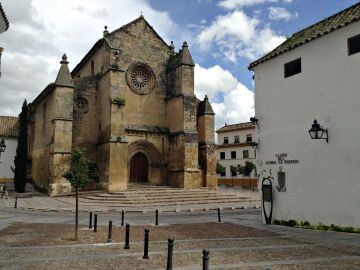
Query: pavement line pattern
[141, 242]
[136, 254]
[272, 263]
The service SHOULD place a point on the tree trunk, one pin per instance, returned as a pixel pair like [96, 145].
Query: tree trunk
[76, 213]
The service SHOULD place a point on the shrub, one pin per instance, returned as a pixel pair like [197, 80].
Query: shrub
[115, 66]
[219, 168]
[119, 101]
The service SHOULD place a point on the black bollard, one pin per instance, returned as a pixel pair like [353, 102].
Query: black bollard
[15, 206]
[170, 253]
[205, 259]
[122, 218]
[127, 235]
[219, 216]
[90, 220]
[146, 244]
[95, 223]
[157, 217]
[110, 232]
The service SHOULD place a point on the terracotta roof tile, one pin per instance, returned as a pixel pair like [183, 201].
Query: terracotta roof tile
[8, 126]
[326, 26]
[227, 128]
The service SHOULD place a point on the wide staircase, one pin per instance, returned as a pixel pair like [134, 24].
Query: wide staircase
[148, 196]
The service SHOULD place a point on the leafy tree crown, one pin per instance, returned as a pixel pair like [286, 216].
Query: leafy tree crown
[78, 173]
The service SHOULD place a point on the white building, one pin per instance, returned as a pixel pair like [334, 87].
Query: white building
[233, 149]
[8, 132]
[4, 25]
[315, 74]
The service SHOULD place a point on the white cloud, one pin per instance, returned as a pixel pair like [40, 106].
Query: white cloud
[238, 103]
[287, 1]
[280, 13]
[238, 35]
[41, 31]
[210, 81]
[235, 4]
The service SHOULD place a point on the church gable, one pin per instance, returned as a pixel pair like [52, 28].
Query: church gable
[138, 28]
[138, 42]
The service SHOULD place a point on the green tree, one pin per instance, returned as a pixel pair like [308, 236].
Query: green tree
[247, 169]
[220, 169]
[77, 175]
[20, 161]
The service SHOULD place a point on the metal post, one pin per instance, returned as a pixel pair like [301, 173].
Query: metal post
[219, 215]
[170, 253]
[157, 217]
[205, 259]
[90, 220]
[95, 223]
[122, 218]
[15, 206]
[110, 232]
[146, 244]
[127, 233]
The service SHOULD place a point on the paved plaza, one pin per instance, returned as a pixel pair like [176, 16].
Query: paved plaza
[43, 240]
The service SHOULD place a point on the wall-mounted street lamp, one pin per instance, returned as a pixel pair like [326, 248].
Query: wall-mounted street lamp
[254, 145]
[317, 132]
[255, 121]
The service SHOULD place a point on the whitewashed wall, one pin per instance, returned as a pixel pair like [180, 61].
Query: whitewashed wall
[7, 158]
[325, 185]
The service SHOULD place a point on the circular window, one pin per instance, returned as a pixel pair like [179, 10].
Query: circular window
[140, 78]
[81, 104]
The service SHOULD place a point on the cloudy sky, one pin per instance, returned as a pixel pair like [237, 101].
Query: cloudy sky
[224, 37]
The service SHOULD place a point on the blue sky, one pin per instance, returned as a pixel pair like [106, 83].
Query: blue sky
[224, 37]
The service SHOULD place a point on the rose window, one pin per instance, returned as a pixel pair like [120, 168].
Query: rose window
[140, 78]
[81, 104]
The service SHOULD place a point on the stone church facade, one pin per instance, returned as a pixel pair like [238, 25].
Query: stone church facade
[130, 103]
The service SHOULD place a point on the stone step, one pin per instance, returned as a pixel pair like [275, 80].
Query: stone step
[149, 195]
[144, 187]
[169, 190]
[166, 203]
[189, 200]
[164, 198]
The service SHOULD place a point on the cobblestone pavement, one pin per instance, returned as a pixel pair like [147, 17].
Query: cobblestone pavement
[240, 242]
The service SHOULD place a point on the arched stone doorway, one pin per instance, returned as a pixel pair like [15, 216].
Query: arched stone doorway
[153, 160]
[139, 167]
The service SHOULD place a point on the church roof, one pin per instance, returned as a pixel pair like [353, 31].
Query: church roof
[183, 57]
[8, 126]
[64, 77]
[317, 30]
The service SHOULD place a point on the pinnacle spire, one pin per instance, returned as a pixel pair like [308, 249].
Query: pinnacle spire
[106, 32]
[64, 76]
[186, 58]
[205, 107]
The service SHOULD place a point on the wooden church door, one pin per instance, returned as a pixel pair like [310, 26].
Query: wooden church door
[139, 168]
